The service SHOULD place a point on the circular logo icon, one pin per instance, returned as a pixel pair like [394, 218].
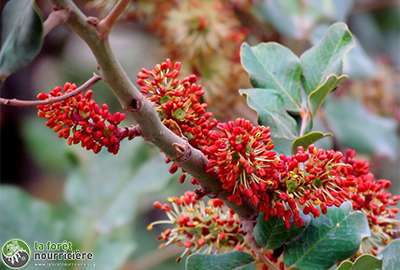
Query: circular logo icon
[15, 253]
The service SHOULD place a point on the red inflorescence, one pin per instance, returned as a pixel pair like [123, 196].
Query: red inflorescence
[241, 156]
[178, 101]
[199, 226]
[79, 119]
[315, 179]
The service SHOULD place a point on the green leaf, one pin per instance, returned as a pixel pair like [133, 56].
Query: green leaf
[364, 262]
[268, 105]
[325, 58]
[273, 66]
[329, 238]
[228, 261]
[390, 256]
[282, 145]
[354, 126]
[317, 97]
[357, 64]
[21, 36]
[308, 139]
[345, 265]
[272, 234]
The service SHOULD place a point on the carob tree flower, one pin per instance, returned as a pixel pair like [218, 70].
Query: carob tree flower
[200, 227]
[79, 119]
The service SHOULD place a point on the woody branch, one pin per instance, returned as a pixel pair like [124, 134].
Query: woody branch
[141, 109]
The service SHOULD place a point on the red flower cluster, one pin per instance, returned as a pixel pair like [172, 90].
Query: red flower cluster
[197, 226]
[311, 181]
[315, 179]
[370, 195]
[241, 156]
[178, 101]
[81, 120]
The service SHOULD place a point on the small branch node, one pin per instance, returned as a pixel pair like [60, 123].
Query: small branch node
[183, 152]
[201, 192]
[105, 25]
[135, 105]
[93, 21]
[55, 18]
[131, 132]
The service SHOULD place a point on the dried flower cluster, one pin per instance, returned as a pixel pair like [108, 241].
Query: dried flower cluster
[200, 227]
[79, 119]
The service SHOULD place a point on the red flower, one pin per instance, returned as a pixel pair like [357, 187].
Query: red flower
[241, 156]
[311, 181]
[315, 179]
[197, 226]
[79, 119]
[178, 101]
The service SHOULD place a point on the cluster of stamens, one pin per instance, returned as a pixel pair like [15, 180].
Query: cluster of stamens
[200, 227]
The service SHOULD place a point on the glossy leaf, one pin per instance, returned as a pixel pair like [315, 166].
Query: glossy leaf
[325, 58]
[21, 36]
[272, 234]
[390, 256]
[273, 66]
[356, 127]
[364, 262]
[228, 261]
[329, 238]
[317, 97]
[308, 139]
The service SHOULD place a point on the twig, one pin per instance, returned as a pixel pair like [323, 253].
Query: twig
[26, 103]
[105, 25]
[305, 115]
[55, 18]
[131, 131]
[143, 110]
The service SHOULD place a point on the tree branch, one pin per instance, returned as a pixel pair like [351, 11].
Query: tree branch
[26, 103]
[105, 25]
[55, 18]
[142, 110]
